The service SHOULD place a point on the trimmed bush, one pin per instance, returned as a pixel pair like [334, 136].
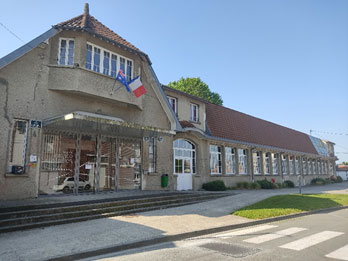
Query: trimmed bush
[318, 181]
[289, 184]
[254, 185]
[265, 184]
[216, 185]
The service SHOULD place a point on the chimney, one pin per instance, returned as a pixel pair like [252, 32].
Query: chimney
[85, 16]
[86, 10]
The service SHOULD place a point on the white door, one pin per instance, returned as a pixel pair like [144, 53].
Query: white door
[184, 163]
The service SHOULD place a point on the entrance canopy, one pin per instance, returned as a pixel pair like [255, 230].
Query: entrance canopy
[93, 123]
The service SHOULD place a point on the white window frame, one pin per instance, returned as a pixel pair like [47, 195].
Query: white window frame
[230, 156]
[216, 154]
[175, 100]
[275, 163]
[182, 150]
[101, 65]
[291, 165]
[243, 161]
[266, 163]
[284, 164]
[66, 52]
[194, 117]
[152, 155]
[297, 166]
[14, 141]
[257, 162]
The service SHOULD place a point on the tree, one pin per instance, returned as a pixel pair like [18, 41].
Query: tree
[196, 87]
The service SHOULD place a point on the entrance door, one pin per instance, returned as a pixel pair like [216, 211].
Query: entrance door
[184, 163]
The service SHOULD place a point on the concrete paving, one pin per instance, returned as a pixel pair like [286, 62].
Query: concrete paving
[63, 240]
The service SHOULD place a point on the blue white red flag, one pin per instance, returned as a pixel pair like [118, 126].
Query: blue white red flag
[137, 87]
[122, 78]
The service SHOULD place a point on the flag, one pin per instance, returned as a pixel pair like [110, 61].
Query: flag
[122, 78]
[137, 87]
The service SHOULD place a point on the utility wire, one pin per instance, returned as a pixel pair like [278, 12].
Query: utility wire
[11, 32]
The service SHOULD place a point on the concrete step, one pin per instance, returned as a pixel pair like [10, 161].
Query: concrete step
[73, 214]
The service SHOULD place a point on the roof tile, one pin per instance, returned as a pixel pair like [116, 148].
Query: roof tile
[230, 124]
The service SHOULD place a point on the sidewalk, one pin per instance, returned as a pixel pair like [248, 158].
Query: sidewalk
[63, 240]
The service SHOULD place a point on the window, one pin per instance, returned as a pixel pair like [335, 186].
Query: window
[215, 159]
[173, 104]
[291, 162]
[66, 51]
[194, 112]
[257, 162]
[310, 167]
[129, 70]
[275, 164]
[304, 166]
[101, 60]
[297, 165]
[243, 161]
[284, 164]
[18, 146]
[184, 157]
[106, 63]
[266, 163]
[315, 169]
[152, 155]
[230, 160]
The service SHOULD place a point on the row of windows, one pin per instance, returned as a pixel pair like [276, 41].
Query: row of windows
[97, 59]
[193, 108]
[289, 165]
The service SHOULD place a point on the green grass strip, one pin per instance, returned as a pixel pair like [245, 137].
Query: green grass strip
[291, 204]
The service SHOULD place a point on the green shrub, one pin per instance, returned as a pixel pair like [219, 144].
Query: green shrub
[318, 181]
[289, 184]
[339, 179]
[216, 185]
[280, 185]
[254, 185]
[265, 184]
[242, 185]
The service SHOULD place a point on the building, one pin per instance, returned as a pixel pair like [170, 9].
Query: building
[342, 171]
[69, 127]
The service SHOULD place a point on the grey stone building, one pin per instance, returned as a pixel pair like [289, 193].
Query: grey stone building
[69, 127]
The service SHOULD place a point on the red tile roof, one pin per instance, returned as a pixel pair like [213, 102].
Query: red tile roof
[230, 124]
[342, 167]
[186, 124]
[92, 25]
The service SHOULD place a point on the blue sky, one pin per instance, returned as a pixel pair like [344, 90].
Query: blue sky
[285, 61]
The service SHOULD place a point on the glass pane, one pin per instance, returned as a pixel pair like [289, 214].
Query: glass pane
[178, 166]
[123, 65]
[113, 66]
[62, 52]
[71, 53]
[187, 166]
[88, 57]
[129, 70]
[58, 164]
[107, 164]
[88, 159]
[96, 65]
[106, 63]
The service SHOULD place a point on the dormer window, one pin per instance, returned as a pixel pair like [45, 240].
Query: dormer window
[66, 51]
[103, 61]
[173, 103]
[194, 112]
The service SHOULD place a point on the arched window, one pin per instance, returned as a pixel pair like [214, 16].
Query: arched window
[184, 157]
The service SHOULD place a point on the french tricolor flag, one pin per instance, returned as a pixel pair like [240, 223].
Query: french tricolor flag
[137, 87]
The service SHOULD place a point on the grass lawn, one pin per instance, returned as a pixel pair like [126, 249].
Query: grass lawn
[290, 204]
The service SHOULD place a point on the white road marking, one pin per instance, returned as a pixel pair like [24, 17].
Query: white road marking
[272, 236]
[246, 231]
[341, 253]
[311, 240]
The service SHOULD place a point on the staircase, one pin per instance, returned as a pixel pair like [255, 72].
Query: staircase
[27, 217]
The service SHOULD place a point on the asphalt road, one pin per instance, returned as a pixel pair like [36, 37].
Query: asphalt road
[315, 237]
